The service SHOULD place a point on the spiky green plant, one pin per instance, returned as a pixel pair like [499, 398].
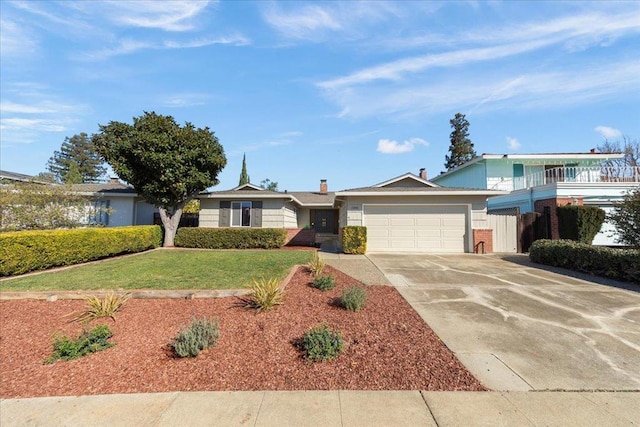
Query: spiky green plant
[265, 294]
[316, 265]
[97, 307]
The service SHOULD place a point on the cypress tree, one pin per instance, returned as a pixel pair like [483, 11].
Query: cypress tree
[244, 178]
[461, 147]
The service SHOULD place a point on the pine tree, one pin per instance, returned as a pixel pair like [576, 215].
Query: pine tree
[244, 178]
[461, 147]
[77, 161]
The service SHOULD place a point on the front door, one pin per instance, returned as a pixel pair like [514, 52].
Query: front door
[324, 221]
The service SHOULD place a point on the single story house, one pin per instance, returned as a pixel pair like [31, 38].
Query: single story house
[541, 182]
[407, 213]
[116, 204]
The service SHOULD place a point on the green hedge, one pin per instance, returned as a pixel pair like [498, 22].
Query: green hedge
[619, 264]
[230, 238]
[25, 251]
[580, 223]
[354, 239]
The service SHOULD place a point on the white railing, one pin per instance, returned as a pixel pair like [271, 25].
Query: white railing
[578, 174]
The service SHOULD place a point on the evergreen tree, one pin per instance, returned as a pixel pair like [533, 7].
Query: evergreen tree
[80, 152]
[461, 147]
[244, 178]
[167, 164]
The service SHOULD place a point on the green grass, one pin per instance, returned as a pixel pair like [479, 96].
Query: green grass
[167, 269]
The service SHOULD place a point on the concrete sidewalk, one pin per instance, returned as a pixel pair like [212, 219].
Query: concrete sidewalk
[328, 408]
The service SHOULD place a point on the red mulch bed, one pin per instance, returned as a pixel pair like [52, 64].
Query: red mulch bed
[387, 347]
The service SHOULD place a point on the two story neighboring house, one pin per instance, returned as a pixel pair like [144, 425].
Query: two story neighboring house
[541, 182]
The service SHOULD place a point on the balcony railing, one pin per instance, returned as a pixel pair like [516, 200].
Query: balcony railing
[578, 174]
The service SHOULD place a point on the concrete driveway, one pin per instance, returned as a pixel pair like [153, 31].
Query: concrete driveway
[520, 327]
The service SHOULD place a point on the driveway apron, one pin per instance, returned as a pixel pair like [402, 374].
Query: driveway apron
[520, 327]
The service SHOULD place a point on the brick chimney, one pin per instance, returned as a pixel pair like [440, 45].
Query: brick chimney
[323, 186]
[593, 151]
[114, 180]
[423, 173]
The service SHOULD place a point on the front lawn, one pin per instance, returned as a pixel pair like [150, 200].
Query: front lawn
[167, 269]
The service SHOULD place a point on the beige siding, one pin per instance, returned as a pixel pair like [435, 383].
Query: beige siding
[304, 217]
[290, 216]
[273, 214]
[209, 213]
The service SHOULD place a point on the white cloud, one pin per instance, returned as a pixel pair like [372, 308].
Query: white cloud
[573, 33]
[513, 143]
[47, 125]
[186, 100]
[16, 40]
[481, 91]
[302, 23]
[314, 22]
[388, 146]
[164, 15]
[608, 132]
[125, 47]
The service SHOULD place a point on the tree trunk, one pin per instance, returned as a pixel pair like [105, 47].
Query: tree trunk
[170, 223]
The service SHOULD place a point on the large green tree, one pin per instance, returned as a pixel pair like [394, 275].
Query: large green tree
[626, 218]
[77, 161]
[167, 164]
[461, 148]
[244, 177]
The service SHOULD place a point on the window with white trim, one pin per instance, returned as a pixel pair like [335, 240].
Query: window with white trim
[241, 214]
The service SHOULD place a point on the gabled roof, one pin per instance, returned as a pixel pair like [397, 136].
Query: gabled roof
[535, 156]
[248, 186]
[305, 198]
[407, 176]
[417, 191]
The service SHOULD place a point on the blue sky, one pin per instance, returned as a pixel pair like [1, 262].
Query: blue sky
[352, 92]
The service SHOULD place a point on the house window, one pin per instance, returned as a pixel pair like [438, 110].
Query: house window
[241, 214]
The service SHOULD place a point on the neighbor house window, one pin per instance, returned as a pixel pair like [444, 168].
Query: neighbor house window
[241, 214]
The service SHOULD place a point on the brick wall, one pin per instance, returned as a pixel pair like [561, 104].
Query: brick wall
[300, 237]
[552, 204]
[483, 235]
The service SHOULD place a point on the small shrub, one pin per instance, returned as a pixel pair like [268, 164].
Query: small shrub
[265, 294]
[321, 343]
[354, 239]
[353, 298]
[316, 265]
[96, 339]
[324, 283]
[106, 307]
[195, 337]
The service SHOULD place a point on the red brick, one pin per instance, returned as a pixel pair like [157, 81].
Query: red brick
[483, 235]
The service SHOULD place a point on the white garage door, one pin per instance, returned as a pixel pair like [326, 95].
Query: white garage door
[417, 228]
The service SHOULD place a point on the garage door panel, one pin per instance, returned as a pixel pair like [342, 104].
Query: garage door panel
[402, 221]
[430, 221]
[419, 228]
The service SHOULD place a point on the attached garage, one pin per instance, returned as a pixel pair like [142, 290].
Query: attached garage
[416, 228]
[410, 214]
